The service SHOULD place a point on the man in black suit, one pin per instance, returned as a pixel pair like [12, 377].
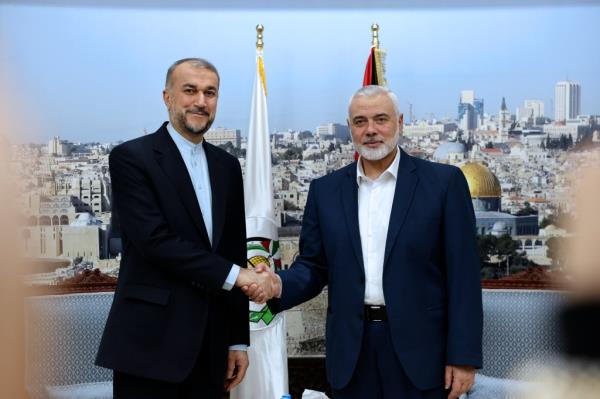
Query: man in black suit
[178, 326]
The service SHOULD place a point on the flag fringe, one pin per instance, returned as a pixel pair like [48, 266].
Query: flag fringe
[380, 56]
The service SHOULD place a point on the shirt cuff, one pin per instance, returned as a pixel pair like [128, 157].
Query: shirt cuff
[240, 347]
[231, 278]
[278, 296]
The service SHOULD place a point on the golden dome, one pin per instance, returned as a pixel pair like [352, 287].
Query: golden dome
[482, 182]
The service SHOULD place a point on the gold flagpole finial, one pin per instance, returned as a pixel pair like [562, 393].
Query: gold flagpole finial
[259, 36]
[375, 33]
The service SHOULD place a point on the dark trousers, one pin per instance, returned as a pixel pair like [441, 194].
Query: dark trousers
[379, 374]
[198, 385]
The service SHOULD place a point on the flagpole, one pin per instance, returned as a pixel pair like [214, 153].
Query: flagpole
[375, 34]
[259, 36]
[267, 375]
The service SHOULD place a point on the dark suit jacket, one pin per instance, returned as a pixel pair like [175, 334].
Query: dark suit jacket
[431, 275]
[169, 295]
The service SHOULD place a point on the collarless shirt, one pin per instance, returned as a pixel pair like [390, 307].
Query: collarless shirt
[196, 164]
[194, 158]
[375, 198]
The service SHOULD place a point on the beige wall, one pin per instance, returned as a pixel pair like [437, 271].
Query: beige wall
[60, 242]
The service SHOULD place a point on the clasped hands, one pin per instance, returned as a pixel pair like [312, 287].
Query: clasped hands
[259, 284]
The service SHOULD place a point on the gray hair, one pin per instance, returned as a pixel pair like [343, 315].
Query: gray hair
[194, 62]
[374, 90]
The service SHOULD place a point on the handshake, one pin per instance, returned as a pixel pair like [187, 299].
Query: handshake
[259, 284]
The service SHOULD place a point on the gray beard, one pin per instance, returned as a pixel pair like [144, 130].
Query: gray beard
[196, 132]
[375, 154]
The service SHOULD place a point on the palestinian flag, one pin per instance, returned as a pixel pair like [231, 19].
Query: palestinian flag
[375, 70]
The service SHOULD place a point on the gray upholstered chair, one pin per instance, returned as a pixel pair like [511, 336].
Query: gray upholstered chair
[520, 338]
[62, 334]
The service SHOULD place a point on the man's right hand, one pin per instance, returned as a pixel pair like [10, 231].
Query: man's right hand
[246, 278]
[260, 284]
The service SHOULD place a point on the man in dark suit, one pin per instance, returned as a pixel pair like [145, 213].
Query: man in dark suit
[393, 238]
[178, 326]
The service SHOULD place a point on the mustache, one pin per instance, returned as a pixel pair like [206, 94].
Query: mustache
[370, 140]
[198, 111]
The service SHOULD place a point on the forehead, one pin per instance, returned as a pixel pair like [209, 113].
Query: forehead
[186, 73]
[372, 105]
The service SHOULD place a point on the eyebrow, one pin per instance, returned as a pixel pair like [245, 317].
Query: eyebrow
[383, 114]
[193, 86]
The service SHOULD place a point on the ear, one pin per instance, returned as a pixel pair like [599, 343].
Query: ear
[401, 122]
[166, 97]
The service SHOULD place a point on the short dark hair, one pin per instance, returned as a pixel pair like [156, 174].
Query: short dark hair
[194, 62]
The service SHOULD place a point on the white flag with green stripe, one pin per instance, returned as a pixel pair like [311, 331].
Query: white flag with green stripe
[267, 376]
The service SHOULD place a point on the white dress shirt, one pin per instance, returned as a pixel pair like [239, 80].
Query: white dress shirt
[375, 198]
[196, 164]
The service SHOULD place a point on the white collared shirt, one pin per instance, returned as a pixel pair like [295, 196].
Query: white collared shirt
[375, 198]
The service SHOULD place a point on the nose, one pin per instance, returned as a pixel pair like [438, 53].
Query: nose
[371, 130]
[200, 100]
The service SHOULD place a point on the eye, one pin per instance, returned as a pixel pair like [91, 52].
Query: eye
[359, 122]
[210, 93]
[189, 90]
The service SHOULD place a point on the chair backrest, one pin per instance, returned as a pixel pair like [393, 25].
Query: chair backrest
[519, 328]
[62, 334]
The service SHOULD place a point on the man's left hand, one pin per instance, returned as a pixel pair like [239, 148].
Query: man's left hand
[237, 364]
[460, 379]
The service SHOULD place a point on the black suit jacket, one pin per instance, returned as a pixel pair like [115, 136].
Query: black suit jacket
[169, 296]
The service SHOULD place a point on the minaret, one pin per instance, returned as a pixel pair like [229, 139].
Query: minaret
[503, 112]
[504, 121]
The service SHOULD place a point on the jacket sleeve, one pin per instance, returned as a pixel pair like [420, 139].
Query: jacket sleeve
[465, 315]
[240, 330]
[308, 275]
[143, 224]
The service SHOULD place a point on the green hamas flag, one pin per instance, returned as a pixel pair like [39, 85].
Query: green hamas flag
[267, 375]
[267, 251]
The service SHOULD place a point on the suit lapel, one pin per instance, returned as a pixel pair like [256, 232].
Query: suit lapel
[349, 194]
[403, 196]
[218, 191]
[168, 157]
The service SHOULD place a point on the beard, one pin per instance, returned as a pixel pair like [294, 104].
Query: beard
[375, 154]
[193, 129]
